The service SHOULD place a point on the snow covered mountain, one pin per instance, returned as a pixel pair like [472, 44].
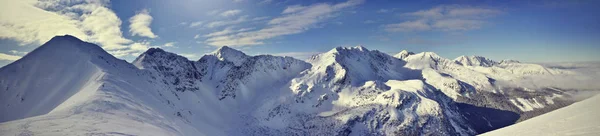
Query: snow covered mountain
[345, 91]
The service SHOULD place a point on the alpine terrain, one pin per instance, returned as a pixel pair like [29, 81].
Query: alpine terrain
[71, 87]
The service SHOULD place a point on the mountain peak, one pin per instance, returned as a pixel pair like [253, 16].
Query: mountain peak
[338, 50]
[403, 54]
[65, 37]
[67, 44]
[475, 61]
[157, 56]
[226, 53]
[64, 40]
[227, 49]
[153, 50]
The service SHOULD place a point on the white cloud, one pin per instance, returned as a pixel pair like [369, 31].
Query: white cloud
[198, 23]
[9, 57]
[35, 22]
[15, 52]
[190, 56]
[266, 1]
[232, 12]
[293, 8]
[140, 24]
[20, 21]
[225, 23]
[302, 20]
[169, 44]
[213, 12]
[457, 24]
[444, 18]
[226, 31]
[260, 18]
[140, 46]
[417, 25]
[297, 55]
[237, 1]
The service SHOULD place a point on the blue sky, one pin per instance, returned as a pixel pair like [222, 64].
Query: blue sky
[531, 31]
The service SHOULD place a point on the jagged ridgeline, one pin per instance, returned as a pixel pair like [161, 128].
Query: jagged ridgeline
[71, 87]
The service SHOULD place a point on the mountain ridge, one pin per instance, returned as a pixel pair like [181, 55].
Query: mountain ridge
[347, 90]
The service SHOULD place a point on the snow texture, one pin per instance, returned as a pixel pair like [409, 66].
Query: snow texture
[580, 118]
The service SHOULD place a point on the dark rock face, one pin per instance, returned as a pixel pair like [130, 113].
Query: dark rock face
[175, 70]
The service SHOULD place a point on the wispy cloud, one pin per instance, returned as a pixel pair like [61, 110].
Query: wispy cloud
[190, 56]
[140, 24]
[416, 25]
[293, 9]
[197, 23]
[444, 18]
[226, 31]
[232, 12]
[294, 19]
[227, 22]
[169, 44]
[386, 10]
[9, 57]
[266, 2]
[213, 12]
[15, 52]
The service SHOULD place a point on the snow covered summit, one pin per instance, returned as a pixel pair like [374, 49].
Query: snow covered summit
[225, 53]
[475, 61]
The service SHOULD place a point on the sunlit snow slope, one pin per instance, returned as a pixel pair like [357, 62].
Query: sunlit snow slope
[581, 118]
[77, 88]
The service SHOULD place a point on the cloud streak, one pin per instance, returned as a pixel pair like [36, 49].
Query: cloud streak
[444, 18]
[231, 12]
[294, 19]
[9, 57]
[228, 22]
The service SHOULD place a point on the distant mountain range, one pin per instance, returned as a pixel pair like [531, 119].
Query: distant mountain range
[71, 87]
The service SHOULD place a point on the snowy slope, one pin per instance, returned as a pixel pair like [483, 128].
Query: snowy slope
[74, 82]
[580, 118]
[46, 78]
[346, 91]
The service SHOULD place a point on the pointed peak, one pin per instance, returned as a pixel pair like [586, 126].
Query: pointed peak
[475, 61]
[225, 53]
[403, 54]
[227, 50]
[406, 51]
[151, 51]
[361, 48]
